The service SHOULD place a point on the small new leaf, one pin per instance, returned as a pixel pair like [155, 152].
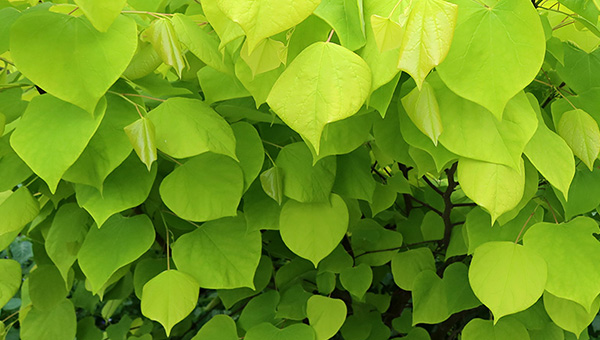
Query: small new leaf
[141, 134]
[581, 133]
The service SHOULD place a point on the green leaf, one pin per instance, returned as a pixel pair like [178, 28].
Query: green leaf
[417, 333]
[407, 265]
[346, 18]
[370, 239]
[142, 136]
[313, 230]
[327, 81]
[353, 177]
[357, 280]
[302, 181]
[226, 29]
[266, 331]
[101, 14]
[65, 237]
[249, 150]
[435, 299]
[293, 303]
[127, 187]
[514, 283]
[218, 86]
[427, 37]
[169, 297]
[388, 33]
[582, 193]
[16, 210]
[505, 329]
[495, 187]
[119, 242]
[59, 322]
[325, 315]
[8, 16]
[62, 40]
[10, 281]
[47, 153]
[189, 127]
[271, 181]
[258, 86]
[550, 155]
[579, 280]
[256, 17]
[570, 315]
[204, 188]
[467, 124]
[46, 287]
[261, 308]
[109, 146]
[12, 169]
[422, 108]
[262, 278]
[161, 34]
[579, 68]
[267, 56]
[220, 254]
[582, 134]
[497, 50]
[219, 327]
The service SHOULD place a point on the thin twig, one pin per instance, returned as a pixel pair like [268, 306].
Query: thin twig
[440, 192]
[551, 210]
[527, 221]
[143, 96]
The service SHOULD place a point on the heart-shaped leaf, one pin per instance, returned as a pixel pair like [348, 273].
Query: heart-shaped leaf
[266, 331]
[101, 13]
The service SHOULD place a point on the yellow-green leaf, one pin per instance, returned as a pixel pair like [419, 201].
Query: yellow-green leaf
[161, 35]
[142, 136]
[582, 134]
[267, 56]
[422, 108]
[101, 13]
[388, 33]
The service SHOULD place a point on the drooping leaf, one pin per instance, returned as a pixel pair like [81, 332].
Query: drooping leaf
[327, 81]
[570, 315]
[220, 254]
[161, 34]
[219, 327]
[388, 33]
[59, 322]
[582, 193]
[16, 210]
[101, 14]
[46, 287]
[326, 315]
[225, 28]
[271, 181]
[495, 187]
[119, 242]
[256, 17]
[206, 187]
[10, 280]
[422, 108]
[48, 153]
[142, 136]
[169, 297]
[582, 134]
[249, 151]
[313, 230]
[514, 283]
[346, 18]
[267, 56]
[491, 59]
[62, 40]
[558, 245]
[188, 127]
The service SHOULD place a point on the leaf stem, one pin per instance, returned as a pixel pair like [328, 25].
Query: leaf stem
[330, 36]
[10, 316]
[551, 210]
[137, 106]
[394, 9]
[272, 144]
[143, 96]
[525, 224]
[33, 180]
[170, 158]
[154, 14]
[168, 237]
[73, 11]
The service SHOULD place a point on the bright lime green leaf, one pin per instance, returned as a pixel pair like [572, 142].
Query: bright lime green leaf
[120, 242]
[109, 146]
[550, 155]
[271, 181]
[505, 329]
[10, 281]
[16, 210]
[435, 299]
[188, 127]
[63, 41]
[206, 187]
[202, 44]
[495, 187]
[324, 84]
[145, 270]
[47, 153]
[325, 315]
[219, 327]
[8, 16]
[406, 266]
[257, 17]
[427, 37]
[161, 34]
[101, 14]
[46, 287]
[219, 86]
[302, 181]
[346, 18]
[59, 322]
[313, 230]
[578, 280]
[491, 59]
[570, 315]
[65, 237]
[472, 131]
[143, 63]
[127, 187]
[584, 8]
[422, 108]
[388, 33]
[220, 254]
[357, 280]
[258, 86]
[266, 331]
[169, 297]
[514, 283]
[579, 66]
[226, 29]
[249, 150]
[142, 136]
[353, 178]
[582, 134]
[267, 56]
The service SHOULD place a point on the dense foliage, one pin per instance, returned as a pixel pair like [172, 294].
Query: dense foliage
[299, 169]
